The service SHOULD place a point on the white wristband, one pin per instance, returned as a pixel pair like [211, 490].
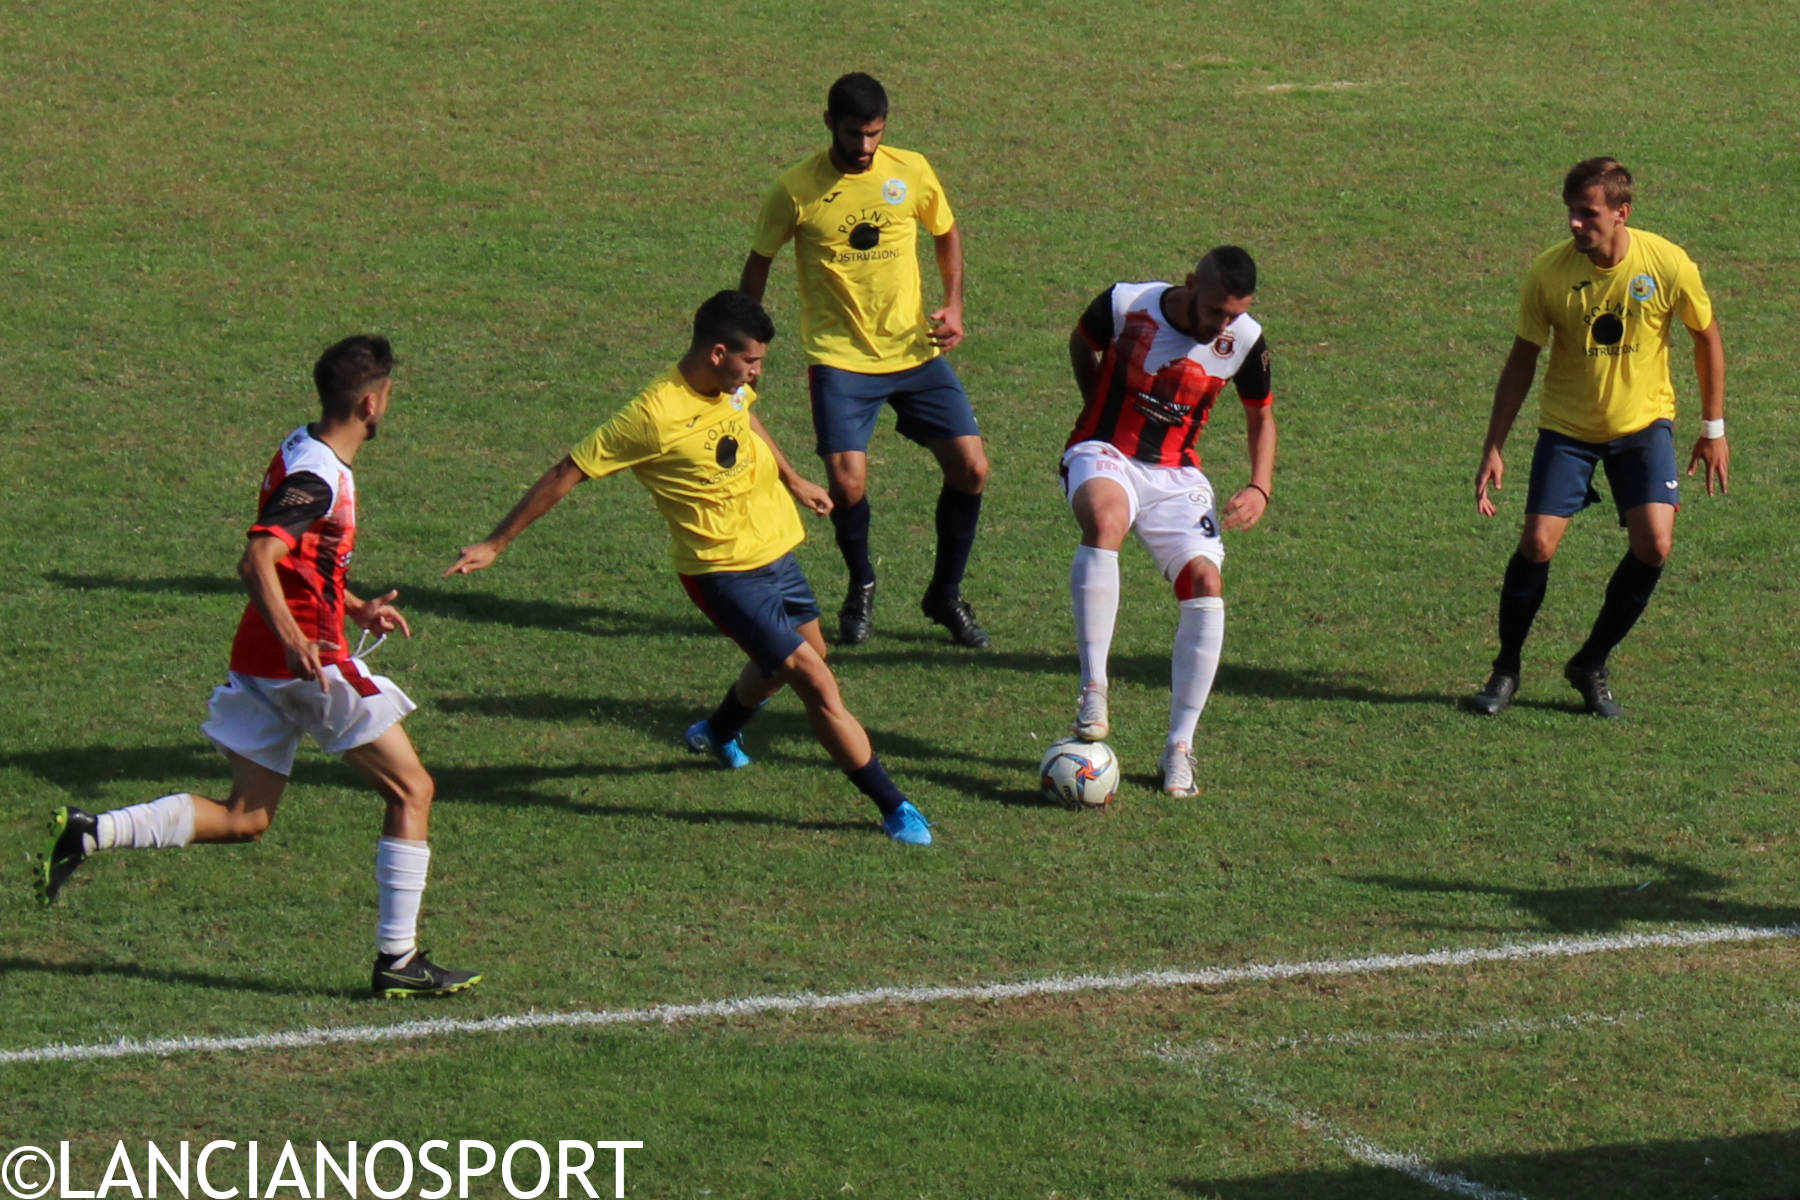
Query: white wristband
[1713, 429]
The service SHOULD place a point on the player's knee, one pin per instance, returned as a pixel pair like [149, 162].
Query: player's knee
[1654, 551]
[1199, 578]
[1537, 546]
[967, 473]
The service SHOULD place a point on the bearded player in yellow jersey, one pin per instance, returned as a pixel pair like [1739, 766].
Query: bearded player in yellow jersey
[853, 212]
[1605, 302]
[728, 496]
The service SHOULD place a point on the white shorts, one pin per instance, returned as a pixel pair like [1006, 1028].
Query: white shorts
[1171, 507]
[262, 719]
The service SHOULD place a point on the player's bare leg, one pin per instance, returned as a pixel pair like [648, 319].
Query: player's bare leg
[1193, 665]
[1103, 514]
[178, 819]
[963, 461]
[847, 478]
[847, 741]
[402, 861]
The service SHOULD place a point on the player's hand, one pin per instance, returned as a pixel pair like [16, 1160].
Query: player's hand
[380, 616]
[305, 661]
[1716, 454]
[474, 558]
[811, 495]
[947, 327]
[1491, 474]
[1246, 508]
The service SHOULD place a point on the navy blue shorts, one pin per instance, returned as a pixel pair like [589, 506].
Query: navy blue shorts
[1640, 469]
[761, 610]
[929, 403]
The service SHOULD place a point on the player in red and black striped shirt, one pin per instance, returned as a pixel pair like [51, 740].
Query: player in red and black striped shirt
[1150, 359]
[292, 675]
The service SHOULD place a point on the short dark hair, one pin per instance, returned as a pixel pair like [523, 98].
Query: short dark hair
[1604, 172]
[1234, 268]
[348, 369]
[733, 319]
[857, 96]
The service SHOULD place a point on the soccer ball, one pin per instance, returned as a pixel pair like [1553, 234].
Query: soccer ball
[1084, 774]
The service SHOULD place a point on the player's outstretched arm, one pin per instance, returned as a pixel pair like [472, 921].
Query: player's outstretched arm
[544, 495]
[1252, 501]
[1509, 397]
[1709, 366]
[257, 569]
[755, 278]
[947, 322]
[808, 493]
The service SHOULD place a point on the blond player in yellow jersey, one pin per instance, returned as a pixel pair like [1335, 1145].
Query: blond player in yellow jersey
[853, 211]
[728, 496]
[1606, 302]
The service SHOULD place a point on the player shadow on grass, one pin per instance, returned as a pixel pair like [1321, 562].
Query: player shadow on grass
[164, 976]
[1661, 891]
[1148, 671]
[1760, 1165]
[768, 741]
[457, 604]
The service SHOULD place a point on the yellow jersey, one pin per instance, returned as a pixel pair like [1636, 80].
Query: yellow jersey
[856, 254]
[714, 480]
[1608, 331]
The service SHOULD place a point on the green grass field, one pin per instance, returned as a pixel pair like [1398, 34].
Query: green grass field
[530, 201]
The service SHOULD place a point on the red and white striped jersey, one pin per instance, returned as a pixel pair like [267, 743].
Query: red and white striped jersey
[1156, 385]
[308, 500]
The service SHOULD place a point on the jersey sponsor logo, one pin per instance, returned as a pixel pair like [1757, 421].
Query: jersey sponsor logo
[725, 453]
[863, 231]
[1642, 288]
[894, 191]
[865, 236]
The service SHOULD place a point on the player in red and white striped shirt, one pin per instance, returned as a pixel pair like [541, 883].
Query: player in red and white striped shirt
[1150, 359]
[291, 675]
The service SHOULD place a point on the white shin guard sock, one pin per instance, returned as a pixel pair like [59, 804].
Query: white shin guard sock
[164, 822]
[1094, 595]
[400, 869]
[1199, 637]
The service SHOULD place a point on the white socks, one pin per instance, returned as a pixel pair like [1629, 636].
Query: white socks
[1198, 639]
[1094, 595]
[400, 867]
[164, 822]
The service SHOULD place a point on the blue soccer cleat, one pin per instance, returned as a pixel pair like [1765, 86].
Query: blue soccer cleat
[731, 754]
[907, 824]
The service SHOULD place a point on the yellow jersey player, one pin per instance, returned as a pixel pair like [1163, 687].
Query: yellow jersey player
[727, 494]
[853, 211]
[1606, 302]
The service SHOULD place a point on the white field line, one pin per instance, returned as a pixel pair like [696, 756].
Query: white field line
[1505, 1027]
[1055, 985]
[1336, 85]
[1205, 1063]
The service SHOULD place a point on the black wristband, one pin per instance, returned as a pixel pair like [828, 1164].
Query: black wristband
[1267, 499]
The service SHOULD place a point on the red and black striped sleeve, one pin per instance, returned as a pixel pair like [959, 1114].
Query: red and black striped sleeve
[298, 501]
[1096, 322]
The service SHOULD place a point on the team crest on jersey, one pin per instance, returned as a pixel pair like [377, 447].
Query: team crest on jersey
[1222, 346]
[737, 398]
[1642, 288]
[894, 191]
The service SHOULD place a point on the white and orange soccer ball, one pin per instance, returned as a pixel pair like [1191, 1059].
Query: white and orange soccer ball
[1083, 774]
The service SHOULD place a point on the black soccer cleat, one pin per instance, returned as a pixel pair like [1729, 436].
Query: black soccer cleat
[1591, 682]
[856, 620]
[413, 974]
[73, 836]
[1495, 694]
[956, 616]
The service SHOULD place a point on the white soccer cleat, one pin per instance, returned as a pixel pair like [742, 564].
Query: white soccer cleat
[1091, 724]
[1178, 771]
